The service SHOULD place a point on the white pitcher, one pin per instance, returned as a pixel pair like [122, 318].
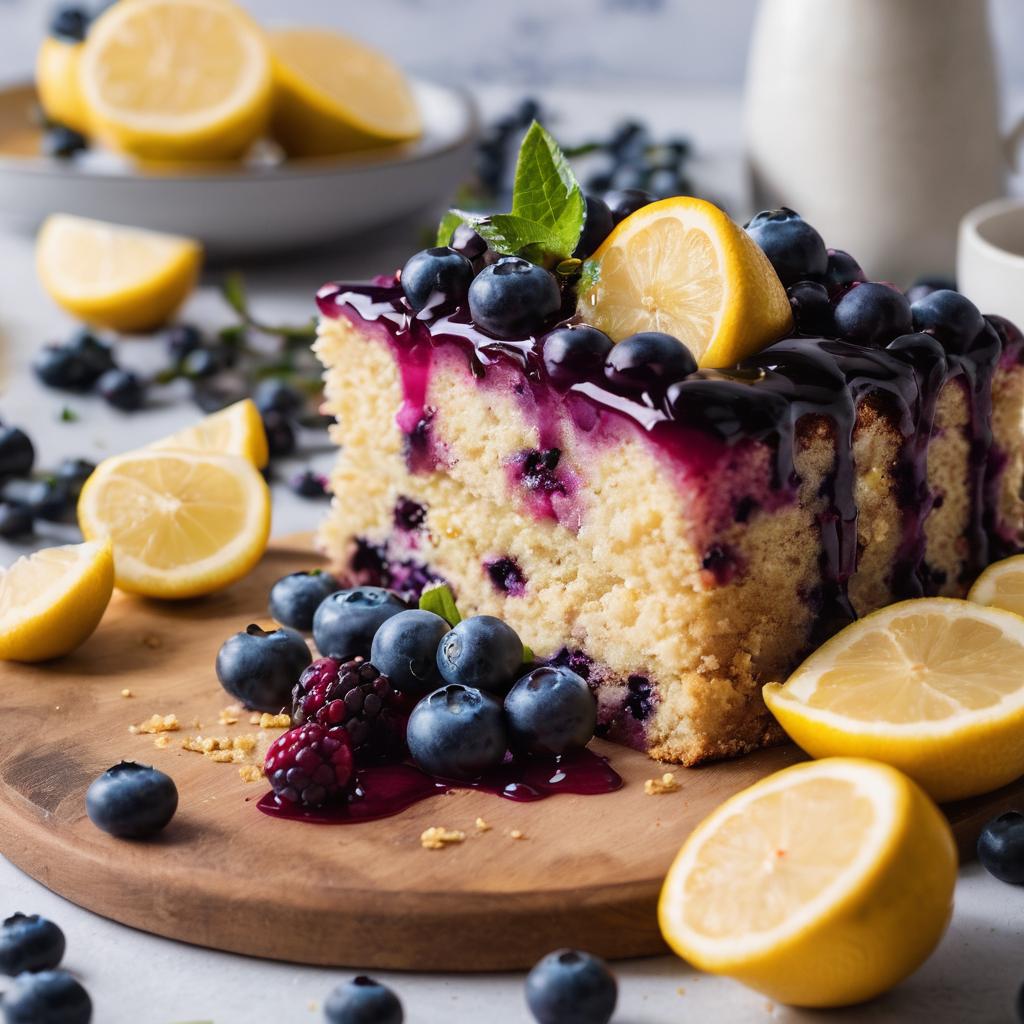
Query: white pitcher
[878, 121]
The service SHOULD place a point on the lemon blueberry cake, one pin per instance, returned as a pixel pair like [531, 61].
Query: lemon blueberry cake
[674, 454]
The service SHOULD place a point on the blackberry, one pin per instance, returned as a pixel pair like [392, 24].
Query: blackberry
[353, 694]
[311, 765]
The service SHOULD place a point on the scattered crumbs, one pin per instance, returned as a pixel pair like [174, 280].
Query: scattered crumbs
[516, 834]
[196, 724]
[281, 721]
[254, 719]
[251, 772]
[658, 787]
[229, 715]
[222, 756]
[246, 744]
[152, 641]
[482, 826]
[163, 741]
[221, 749]
[437, 838]
[157, 723]
[127, 693]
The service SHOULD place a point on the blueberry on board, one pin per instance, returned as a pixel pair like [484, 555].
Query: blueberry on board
[792, 246]
[812, 310]
[132, 801]
[624, 201]
[951, 317]
[122, 389]
[436, 280]
[281, 438]
[62, 143]
[69, 23]
[295, 598]
[482, 652]
[363, 1001]
[345, 623]
[575, 353]
[597, 226]
[49, 498]
[201, 363]
[550, 711]
[96, 355]
[260, 667]
[75, 472]
[15, 520]
[872, 314]
[182, 340]
[29, 942]
[648, 361]
[17, 453]
[276, 395]
[405, 650]
[841, 271]
[1001, 847]
[571, 987]
[49, 997]
[457, 732]
[57, 366]
[513, 298]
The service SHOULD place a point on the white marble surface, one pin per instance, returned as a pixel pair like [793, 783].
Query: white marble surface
[138, 979]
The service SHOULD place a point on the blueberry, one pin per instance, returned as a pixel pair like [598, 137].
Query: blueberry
[202, 363]
[132, 801]
[550, 711]
[922, 351]
[16, 452]
[793, 247]
[405, 650]
[50, 997]
[275, 395]
[15, 521]
[926, 285]
[483, 652]
[648, 361]
[49, 498]
[812, 311]
[62, 143]
[624, 201]
[70, 23]
[281, 439]
[214, 393]
[571, 987]
[309, 484]
[295, 598]
[182, 340]
[363, 1001]
[345, 623]
[436, 280]
[1001, 847]
[597, 226]
[57, 366]
[667, 181]
[841, 271]
[457, 732]
[96, 355]
[576, 353]
[872, 314]
[513, 298]
[122, 389]
[75, 472]
[29, 943]
[951, 317]
[259, 668]
[467, 242]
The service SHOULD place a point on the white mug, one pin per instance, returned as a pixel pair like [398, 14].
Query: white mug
[990, 258]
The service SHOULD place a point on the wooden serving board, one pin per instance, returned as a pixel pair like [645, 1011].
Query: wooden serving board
[586, 873]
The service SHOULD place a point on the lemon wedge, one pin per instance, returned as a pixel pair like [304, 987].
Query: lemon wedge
[236, 430]
[51, 601]
[823, 885]
[111, 276]
[932, 686]
[176, 80]
[681, 266]
[182, 524]
[57, 83]
[333, 94]
[1001, 585]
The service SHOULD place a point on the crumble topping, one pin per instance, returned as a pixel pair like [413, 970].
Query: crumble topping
[516, 834]
[155, 724]
[437, 838]
[666, 784]
[265, 721]
[229, 715]
[163, 741]
[127, 693]
[251, 772]
[221, 749]
[482, 826]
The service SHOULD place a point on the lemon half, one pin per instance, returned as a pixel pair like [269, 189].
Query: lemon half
[1001, 585]
[236, 430]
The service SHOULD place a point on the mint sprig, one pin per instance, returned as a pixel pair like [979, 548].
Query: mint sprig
[548, 207]
[440, 600]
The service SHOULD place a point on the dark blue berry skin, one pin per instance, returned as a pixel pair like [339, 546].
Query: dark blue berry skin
[405, 650]
[132, 801]
[29, 942]
[48, 499]
[571, 987]
[281, 438]
[841, 271]
[122, 389]
[951, 317]
[926, 285]
[648, 361]
[201, 363]
[550, 711]
[75, 472]
[363, 1001]
[812, 310]
[482, 652]
[457, 732]
[597, 226]
[50, 997]
[15, 521]
[259, 668]
[62, 143]
[96, 355]
[1001, 847]
[275, 395]
[70, 23]
[57, 366]
[345, 623]
[513, 298]
[792, 246]
[872, 314]
[295, 598]
[309, 484]
[467, 242]
[576, 353]
[436, 280]
[180, 341]
[17, 453]
[624, 201]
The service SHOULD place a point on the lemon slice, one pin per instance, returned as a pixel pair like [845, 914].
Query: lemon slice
[57, 83]
[236, 430]
[176, 80]
[51, 601]
[933, 686]
[334, 94]
[683, 267]
[823, 885]
[182, 523]
[110, 276]
[1001, 585]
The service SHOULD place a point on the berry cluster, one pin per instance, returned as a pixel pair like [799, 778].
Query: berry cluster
[85, 363]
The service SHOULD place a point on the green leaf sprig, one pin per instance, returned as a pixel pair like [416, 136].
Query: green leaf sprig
[440, 600]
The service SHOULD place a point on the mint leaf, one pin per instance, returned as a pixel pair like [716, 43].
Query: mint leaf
[528, 655]
[446, 229]
[440, 600]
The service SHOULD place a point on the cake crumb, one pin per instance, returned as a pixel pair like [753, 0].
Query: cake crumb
[251, 772]
[658, 787]
[254, 719]
[281, 721]
[438, 838]
[516, 834]
[229, 715]
[162, 741]
[127, 693]
[245, 744]
[157, 723]
[482, 826]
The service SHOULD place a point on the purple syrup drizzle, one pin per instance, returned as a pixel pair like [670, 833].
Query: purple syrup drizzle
[382, 791]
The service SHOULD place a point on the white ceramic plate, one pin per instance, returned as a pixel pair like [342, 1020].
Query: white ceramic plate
[241, 210]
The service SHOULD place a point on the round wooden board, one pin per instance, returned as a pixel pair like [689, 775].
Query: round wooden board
[224, 875]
